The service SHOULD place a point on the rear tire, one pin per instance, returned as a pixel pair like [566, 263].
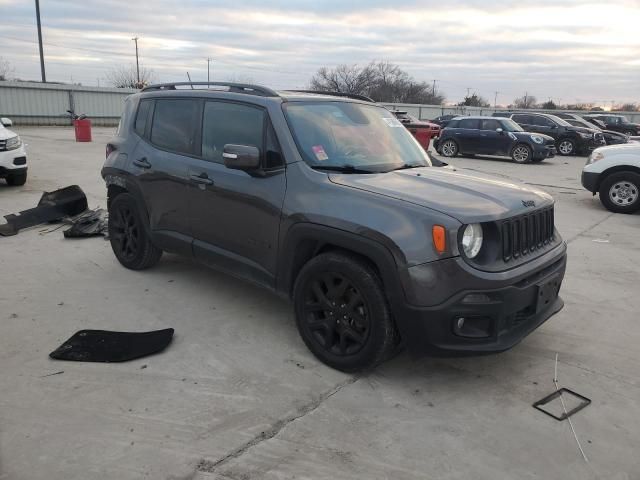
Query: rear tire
[17, 179]
[620, 192]
[449, 148]
[342, 312]
[522, 153]
[128, 236]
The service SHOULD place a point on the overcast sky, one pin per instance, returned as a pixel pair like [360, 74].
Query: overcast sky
[574, 50]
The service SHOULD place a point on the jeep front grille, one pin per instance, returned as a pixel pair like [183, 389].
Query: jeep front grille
[525, 234]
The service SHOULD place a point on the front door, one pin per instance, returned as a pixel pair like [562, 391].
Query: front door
[492, 142]
[235, 216]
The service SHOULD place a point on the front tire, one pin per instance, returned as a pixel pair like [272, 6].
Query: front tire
[342, 312]
[620, 192]
[17, 179]
[449, 148]
[566, 147]
[522, 153]
[128, 236]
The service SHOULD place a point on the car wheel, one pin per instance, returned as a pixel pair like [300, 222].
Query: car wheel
[620, 192]
[129, 240]
[566, 147]
[342, 312]
[629, 133]
[17, 179]
[449, 148]
[521, 153]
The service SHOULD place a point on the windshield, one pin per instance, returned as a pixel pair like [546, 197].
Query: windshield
[511, 126]
[352, 137]
[583, 123]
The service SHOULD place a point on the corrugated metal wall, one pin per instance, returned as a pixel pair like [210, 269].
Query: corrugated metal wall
[29, 103]
[45, 104]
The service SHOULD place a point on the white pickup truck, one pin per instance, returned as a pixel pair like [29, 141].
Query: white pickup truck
[614, 173]
[13, 156]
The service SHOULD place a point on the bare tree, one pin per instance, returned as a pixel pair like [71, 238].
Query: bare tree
[474, 100]
[549, 105]
[6, 70]
[126, 77]
[626, 107]
[382, 81]
[527, 101]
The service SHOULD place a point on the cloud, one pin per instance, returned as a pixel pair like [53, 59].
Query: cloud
[574, 48]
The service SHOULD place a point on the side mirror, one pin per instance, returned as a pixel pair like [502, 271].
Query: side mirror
[554, 126]
[6, 122]
[241, 157]
[499, 130]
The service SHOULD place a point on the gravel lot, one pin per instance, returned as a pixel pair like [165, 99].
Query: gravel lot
[238, 396]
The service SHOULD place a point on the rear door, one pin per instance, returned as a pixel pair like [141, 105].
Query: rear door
[525, 121]
[234, 216]
[492, 142]
[544, 125]
[467, 134]
[170, 131]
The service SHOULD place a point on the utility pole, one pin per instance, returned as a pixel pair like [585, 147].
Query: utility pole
[135, 39]
[44, 75]
[526, 95]
[434, 88]
[495, 99]
[208, 62]
[468, 90]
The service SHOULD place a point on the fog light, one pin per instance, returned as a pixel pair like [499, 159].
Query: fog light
[472, 327]
[476, 298]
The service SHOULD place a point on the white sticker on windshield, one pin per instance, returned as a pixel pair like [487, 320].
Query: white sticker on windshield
[392, 122]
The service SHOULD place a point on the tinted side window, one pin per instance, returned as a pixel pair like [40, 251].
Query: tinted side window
[490, 125]
[522, 119]
[469, 123]
[541, 121]
[230, 123]
[142, 116]
[453, 124]
[176, 124]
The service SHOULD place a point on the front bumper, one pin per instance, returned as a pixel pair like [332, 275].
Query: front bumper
[544, 151]
[13, 161]
[586, 146]
[590, 181]
[505, 310]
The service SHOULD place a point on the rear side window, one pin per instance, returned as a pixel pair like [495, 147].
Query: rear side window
[176, 124]
[142, 117]
[230, 123]
[469, 123]
[541, 121]
[490, 125]
[523, 119]
[453, 124]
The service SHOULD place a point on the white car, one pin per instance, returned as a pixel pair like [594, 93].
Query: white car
[614, 173]
[13, 156]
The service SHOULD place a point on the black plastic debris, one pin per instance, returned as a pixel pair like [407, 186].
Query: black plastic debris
[65, 202]
[582, 403]
[91, 223]
[107, 346]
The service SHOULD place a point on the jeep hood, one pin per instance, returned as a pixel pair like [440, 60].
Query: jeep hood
[466, 197]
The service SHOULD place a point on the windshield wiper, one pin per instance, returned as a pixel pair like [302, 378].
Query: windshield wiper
[406, 166]
[341, 169]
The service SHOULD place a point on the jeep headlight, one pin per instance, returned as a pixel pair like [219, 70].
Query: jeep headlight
[13, 143]
[537, 139]
[594, 157]
[472, 240]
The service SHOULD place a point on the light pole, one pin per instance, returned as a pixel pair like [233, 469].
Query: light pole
[44, 76]
[135, 39]
[208, 62]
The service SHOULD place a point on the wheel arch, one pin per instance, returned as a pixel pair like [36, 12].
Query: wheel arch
[615, 169]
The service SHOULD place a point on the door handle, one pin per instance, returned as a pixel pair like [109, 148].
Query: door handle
[142, 163]
[202, 179]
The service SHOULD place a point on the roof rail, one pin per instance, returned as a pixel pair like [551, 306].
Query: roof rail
[355, 96]
[233, 87]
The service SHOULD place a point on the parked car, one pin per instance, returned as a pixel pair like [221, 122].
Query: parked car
[570, 140]
[493, 136]
[423, 131]
[443, 120]
[614, 173]
[618, 123]
[610, 137]
[330, 202]
[13, 156]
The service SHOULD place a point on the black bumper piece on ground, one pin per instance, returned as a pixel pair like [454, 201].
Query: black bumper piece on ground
[590, 181]
[475, 322]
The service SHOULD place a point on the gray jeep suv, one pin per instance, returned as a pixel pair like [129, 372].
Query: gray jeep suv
[329, 201]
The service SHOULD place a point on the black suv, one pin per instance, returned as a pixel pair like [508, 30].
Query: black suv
[331, 202]
[570, 140]
[493, 136]
[611, 137]
[618, 123]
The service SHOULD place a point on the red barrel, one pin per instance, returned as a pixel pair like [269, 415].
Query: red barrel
[83, 130]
